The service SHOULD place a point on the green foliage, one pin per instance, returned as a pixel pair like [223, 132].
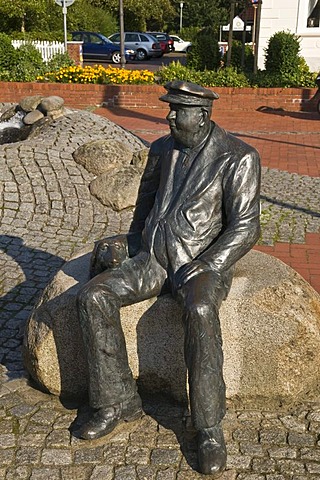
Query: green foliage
[284, 66]
[29, 64]
[7, 54]
[282, 54]
[302, 78]
[226, 77]
[236, 54]
[141, 15]
[53, 36]
[230, 77]
[174, 71]
[60, 60]
[82, 15]
[189, 33]
[43, 19]
[205, 51]
[21, 13]
[207, 13]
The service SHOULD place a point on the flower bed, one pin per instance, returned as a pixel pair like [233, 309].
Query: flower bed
[98, 75]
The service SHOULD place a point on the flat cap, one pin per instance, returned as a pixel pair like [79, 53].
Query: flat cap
[188, 93]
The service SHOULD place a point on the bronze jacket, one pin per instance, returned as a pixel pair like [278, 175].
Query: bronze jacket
[212, 214]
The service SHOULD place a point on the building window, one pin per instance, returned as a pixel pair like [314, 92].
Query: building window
[313, 14]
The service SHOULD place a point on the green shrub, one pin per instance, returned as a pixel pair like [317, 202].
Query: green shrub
[285, 77]
[205, 52]
[176, 71]
[29, 64]
[282, 54]
[226, 77]
[189, 33]
[60, 60]
[236, 54]
[305, 77]
[230, 77]
[7, 54]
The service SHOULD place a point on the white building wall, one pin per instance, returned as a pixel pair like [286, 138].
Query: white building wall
[289, 15]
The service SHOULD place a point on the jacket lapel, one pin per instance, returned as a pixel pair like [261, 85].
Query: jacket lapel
[205, 166]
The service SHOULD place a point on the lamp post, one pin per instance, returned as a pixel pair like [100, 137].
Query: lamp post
[64, 11]
[255, 5]
[64, 4]
[122, 52]
[257, 8]
[181, 7]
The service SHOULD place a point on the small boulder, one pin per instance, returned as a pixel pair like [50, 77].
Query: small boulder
[117, 188]
[32, 117]
[99, 156]
[28, 104]
[52, 103]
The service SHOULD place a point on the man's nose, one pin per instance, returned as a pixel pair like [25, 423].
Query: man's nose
[171, 115]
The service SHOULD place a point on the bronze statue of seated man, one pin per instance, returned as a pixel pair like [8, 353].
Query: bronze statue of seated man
[197, 213]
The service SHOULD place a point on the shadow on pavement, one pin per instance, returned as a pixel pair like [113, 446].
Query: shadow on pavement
[174, 417]
[273, 140]
[310, 115]
[138, 115]
[17, 302]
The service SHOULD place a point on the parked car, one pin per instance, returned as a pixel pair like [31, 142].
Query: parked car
[180, 45]
[165, 41]
[98, 48]
[144, 45]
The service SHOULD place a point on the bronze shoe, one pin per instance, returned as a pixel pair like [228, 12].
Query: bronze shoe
[106, 419]
[212, 452]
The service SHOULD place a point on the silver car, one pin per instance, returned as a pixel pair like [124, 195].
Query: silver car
[144, 45]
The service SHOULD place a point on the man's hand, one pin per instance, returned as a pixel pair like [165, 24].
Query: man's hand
[108, 253]
[189, 270]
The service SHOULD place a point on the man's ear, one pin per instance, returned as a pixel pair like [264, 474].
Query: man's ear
[204, 114]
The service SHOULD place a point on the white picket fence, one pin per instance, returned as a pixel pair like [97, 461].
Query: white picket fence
[47, 49]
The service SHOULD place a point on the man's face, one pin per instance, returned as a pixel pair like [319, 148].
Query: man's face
[185, 123]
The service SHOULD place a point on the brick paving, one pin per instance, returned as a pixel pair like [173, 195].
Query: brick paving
[47, 213]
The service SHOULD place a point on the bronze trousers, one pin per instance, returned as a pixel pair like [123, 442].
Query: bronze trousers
[139, 278]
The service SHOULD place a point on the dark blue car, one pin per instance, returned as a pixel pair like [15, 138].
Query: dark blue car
[98, 48]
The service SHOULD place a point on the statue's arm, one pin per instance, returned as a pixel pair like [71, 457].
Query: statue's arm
[241, 204]
[241, 212]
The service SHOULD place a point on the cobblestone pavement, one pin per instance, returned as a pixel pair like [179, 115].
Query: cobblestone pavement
[47, 213]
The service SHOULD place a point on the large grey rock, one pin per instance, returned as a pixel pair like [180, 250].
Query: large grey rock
[270, 326]
[51, 104]
[100, 156]
[28, 104]
[118, 188]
